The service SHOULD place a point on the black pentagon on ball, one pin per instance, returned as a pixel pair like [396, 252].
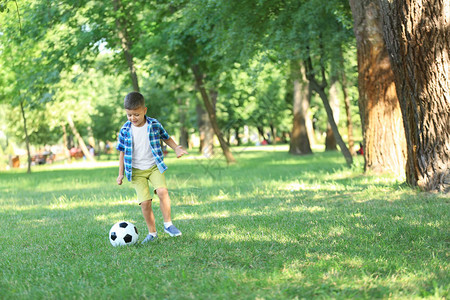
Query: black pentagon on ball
[127, 238]
[123, 225]
[113, 236]
[135, 229]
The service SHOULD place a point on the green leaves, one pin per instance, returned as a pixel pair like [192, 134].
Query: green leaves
[4, 6]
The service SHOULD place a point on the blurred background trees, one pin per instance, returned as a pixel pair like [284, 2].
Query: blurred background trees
[215, 73]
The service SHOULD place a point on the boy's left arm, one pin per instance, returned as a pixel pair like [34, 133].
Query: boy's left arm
[179, 150]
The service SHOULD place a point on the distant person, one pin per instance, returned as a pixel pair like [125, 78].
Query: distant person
[108, 148]
[141, 159]
[91, 151]
[360, 150]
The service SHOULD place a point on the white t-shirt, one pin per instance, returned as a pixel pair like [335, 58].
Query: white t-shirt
[142, 153]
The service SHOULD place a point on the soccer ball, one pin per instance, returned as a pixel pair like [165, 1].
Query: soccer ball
[123, 233]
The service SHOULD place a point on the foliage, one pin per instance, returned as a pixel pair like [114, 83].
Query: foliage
[75, 59]
[308, 228]
[41, 131]
[255, 96]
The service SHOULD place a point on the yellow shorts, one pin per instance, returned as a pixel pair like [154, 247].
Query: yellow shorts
[140, 181]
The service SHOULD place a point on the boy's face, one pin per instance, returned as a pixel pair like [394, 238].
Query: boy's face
[137, 116]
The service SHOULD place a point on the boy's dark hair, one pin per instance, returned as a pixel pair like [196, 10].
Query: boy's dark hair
[133, 100]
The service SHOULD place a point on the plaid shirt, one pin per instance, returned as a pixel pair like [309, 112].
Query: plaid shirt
[155, 133]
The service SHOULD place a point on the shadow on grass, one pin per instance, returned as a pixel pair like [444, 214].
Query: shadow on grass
[342, 246]
[243, 234]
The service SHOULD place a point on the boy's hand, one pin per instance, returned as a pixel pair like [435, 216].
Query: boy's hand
[179, 151]
[119, 179]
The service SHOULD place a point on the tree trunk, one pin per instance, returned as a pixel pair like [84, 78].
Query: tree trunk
[200, 111]
[237, 137]
[27, 138]
[212, 116]
[262, 134]
[309, 120]
[125, 42]
[183, 130]
[79, 139]
[348, 114]
[299, 143]
[320, 89]
[273, 133]
[418, 41]
[206, 132]
[65, 142]
[382, 129]
[330, 139]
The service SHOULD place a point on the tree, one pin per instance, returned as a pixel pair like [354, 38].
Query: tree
[28, 72]
[294, 30]
[300, 143]
[319, 88]
[183, 41]
[383, 134]
[121, 17]
[207, 100]
[417, 38]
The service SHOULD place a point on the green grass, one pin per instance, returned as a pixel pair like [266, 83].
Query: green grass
[273, 226]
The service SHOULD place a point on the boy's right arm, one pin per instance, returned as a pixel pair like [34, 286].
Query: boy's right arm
[121, 167]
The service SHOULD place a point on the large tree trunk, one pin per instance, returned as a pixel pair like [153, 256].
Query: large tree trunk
[81, 143]
[299, 143]
[417, 37]
[125, 42]
[212, 116]
[382, 129]
[319, 88]
[27, 138]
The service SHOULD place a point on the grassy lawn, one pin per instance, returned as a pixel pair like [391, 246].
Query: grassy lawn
[273, 226]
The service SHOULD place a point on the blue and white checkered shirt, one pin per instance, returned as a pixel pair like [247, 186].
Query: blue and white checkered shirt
[155, 132]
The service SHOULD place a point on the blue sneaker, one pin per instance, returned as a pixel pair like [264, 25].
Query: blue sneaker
[149, 238]
[172, 230]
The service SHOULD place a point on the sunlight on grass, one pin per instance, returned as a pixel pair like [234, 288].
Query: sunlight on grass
[272, 226]
[111, 216]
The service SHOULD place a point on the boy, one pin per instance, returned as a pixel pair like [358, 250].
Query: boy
[141, 159]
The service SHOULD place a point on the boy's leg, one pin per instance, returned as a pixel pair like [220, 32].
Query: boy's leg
[164, 200]
[149, 217]
[140, 183]
[164, 203]
[158, 180]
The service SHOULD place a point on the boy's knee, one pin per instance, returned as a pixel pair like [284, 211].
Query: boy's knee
[162, 192]
[146, 203]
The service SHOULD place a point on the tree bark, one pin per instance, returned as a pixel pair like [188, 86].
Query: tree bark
[417, 35]
[126, 44]
[348, 114]
[319, 88]
[330, 139]
[309, 120]
[299, 144]
[206, 131]
[183, 130]
[27, 138]
[383, 134]
[212, 116]
[81, 143]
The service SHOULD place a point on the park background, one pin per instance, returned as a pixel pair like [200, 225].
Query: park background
[273, 100]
